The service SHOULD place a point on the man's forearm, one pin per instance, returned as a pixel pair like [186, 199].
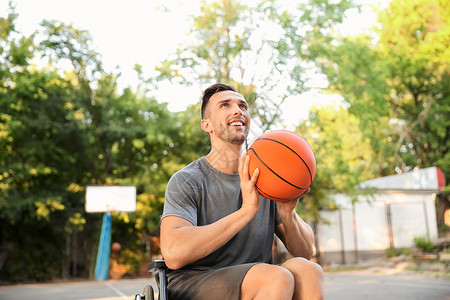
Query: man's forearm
[299, 236]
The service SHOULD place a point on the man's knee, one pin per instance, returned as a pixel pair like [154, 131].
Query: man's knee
[308, 275]
[269, 281]
[299, 265]
[282, 278]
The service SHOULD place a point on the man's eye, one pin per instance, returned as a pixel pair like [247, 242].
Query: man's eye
[224, 105]
[244, 107]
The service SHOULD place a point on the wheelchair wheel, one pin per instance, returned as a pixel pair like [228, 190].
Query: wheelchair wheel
[148, 293]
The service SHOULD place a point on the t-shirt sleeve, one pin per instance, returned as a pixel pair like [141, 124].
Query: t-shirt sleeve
[181, 197]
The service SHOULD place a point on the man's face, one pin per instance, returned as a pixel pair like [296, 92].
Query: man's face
[227, 117]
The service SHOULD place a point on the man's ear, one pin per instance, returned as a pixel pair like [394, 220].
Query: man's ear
[206, 125]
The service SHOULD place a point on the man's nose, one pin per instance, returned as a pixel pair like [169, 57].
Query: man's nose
[237, 110]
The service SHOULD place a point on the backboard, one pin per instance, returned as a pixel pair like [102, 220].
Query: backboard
[110, 198]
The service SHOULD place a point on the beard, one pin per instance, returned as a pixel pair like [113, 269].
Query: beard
[236, 138]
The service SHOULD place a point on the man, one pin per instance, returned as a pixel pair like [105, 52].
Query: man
[217, 231]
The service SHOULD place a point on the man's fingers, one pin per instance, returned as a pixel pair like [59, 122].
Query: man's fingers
[305, 192]
[245, 166]
[241, 164]
[255, 176]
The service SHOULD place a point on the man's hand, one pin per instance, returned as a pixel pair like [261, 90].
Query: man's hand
[286, 207]
[295, 233]
[250, 196]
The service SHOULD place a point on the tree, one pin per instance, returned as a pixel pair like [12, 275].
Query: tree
[235, 43]
[218, 52]
[344, 156]
[62, 129]
[419, 78]
[400, 80]
[42, 147]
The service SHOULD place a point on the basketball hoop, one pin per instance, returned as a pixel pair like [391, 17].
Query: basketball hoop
[107, 199]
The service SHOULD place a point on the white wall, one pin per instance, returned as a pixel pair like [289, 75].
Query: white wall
[372, 227]
[411, 214]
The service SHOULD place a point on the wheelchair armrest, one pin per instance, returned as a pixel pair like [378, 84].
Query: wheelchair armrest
[157, 265]
[158, 268]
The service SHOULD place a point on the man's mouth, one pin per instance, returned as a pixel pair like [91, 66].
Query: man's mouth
[236, 123]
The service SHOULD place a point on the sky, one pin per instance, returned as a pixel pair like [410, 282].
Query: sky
[144, 32]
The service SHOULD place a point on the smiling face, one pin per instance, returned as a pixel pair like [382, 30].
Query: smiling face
[227, 117]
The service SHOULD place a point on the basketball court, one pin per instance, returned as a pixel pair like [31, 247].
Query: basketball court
[365, 285]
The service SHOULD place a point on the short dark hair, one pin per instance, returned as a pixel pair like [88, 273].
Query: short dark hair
[215, 88]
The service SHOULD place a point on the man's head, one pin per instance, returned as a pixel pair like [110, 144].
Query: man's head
[225, 114]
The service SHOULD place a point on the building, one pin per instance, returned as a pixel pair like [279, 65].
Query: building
[400, 208]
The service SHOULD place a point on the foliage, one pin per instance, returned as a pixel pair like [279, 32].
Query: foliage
[40, 149]
[62, 130]
[399, 83]
[391, 252]
[344, 156]
[219, 38]
[419, 83]
[306, 34]
[424, 244]
[218, 52]
[252, 47]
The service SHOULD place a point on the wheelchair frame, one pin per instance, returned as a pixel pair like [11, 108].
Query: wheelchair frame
[158, 268]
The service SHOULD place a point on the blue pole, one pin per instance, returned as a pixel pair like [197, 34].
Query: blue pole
[104, 248]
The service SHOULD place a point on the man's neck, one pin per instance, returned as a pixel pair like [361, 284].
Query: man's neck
[225, 158]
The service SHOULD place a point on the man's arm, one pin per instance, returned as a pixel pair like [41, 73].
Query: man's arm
[295, 233]
[182, 243]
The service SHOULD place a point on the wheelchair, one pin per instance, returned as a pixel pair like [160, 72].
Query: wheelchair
[158, 268]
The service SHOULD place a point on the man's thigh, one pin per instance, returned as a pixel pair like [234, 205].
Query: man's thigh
[223, 283]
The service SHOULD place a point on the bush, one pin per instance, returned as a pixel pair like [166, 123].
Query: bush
[423, 244]
[391, 252]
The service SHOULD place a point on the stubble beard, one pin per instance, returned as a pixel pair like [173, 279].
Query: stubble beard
[232, 138]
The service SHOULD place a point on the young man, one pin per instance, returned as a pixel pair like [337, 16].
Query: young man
[217, 231]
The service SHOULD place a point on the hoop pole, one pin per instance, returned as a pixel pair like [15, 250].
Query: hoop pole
[104, 248]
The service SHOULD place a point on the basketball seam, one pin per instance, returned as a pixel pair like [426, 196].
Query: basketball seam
[307, 167]
[300, 188]
[270, 196]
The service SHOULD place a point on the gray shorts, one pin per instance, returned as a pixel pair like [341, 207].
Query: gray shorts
[224, 283]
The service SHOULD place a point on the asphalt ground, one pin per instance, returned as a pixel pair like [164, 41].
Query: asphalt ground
[365, 285]
[370, 286]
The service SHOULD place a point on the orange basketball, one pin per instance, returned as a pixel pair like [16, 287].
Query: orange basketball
[116, 247]
[286, 162]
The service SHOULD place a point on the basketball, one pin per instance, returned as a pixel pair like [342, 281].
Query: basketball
[116, 247]
[286, 163]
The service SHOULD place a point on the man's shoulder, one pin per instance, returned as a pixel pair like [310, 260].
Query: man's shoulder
[194, 170]
[187, 181]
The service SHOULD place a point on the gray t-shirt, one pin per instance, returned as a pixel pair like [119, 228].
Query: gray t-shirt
[202, 195]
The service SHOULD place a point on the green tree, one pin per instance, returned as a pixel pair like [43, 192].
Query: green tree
[41, 148]
[402, 79]
[417, 45]
[62, 129]
[130, 137]
[344, 156]
[254, 48]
